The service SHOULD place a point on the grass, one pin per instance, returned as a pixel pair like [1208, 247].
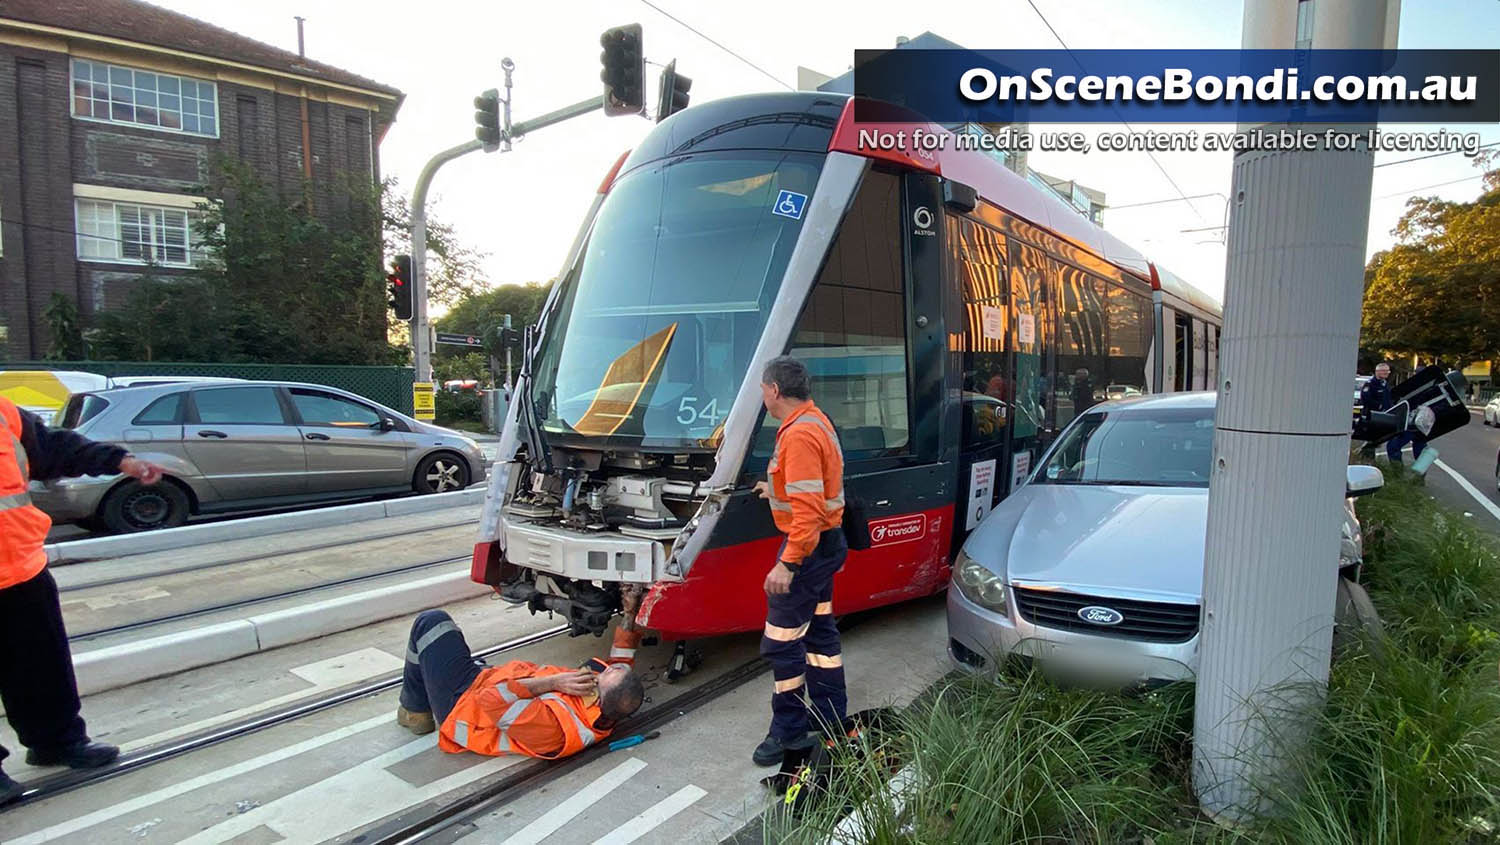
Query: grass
[1404, 749]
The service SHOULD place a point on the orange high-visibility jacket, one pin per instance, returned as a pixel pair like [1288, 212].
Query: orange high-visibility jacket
[499, 716]
[807, 480]
[23, 527]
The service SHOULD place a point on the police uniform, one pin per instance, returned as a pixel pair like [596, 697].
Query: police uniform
[801, 640]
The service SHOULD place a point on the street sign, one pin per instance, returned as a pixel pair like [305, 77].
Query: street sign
[460, 339]
[423, 401]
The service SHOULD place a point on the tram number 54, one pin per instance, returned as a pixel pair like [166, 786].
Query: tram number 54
[687, 414]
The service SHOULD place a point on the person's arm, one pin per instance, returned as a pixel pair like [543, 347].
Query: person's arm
[58, 452]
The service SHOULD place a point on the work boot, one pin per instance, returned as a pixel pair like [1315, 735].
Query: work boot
[9, 789]
[416, 721]
[771, 749]
[82, 755]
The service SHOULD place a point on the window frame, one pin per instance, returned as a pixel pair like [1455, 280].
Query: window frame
[191, 416]
[178, 78]
[291, 398]
[182, 408]
[193, 252]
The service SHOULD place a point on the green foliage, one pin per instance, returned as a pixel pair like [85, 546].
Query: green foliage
[453, 268]
[1436, 293]
[469, 365]
[1404, 749]
[454, 407]
[278, 284]
[64, 327]
[484, 312]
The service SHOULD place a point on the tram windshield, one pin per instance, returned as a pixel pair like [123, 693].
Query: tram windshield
[659, 319]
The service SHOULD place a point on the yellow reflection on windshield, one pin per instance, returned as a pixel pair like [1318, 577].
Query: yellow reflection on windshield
[624, 382]
[738, 187]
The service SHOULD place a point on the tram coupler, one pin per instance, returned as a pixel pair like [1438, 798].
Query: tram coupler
[587, 609]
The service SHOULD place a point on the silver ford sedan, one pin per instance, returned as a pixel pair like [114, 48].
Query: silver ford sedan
[1095, 566]
[246, 445]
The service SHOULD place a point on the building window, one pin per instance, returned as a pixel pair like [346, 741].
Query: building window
[144, 98]
[126, 233]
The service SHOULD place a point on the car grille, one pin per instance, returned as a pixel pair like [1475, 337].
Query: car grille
[1147, 621]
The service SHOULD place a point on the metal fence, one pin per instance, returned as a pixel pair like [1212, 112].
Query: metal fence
[390, 386]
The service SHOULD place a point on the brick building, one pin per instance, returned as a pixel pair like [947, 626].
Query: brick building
[112, 111]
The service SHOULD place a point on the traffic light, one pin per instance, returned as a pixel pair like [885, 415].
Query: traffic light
[399, 282]
[487, 119]
[672, 97]
[624, 72]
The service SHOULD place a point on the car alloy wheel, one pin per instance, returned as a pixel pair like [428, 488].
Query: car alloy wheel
[443, 475]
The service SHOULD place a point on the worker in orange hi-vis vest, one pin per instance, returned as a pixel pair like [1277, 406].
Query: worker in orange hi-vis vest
[37, 686]
[805, 492]
[519, 707]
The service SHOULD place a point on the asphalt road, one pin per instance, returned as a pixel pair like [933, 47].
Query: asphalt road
[1469, 453]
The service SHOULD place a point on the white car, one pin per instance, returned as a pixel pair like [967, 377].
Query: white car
[1492, 411]
[1096, 562]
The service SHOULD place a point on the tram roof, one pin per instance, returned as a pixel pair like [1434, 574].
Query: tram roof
[824, 121]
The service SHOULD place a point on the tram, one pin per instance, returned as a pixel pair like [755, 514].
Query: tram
[954, 318]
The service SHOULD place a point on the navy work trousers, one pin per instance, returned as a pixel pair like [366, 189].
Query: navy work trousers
[439, 666]
[801, 642]
[36, 667]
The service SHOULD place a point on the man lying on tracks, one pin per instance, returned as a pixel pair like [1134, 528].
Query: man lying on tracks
[516, 708]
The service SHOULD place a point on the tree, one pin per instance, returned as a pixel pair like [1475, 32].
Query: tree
[1436, 293]
[276, 284]
[484, 312]
[453, 268]
[61, 314]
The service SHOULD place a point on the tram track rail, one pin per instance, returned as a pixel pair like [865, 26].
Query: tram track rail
[284, 594]
[133, 761]
[199, 567]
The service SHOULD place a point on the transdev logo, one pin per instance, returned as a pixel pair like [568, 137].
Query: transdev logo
[901, 529]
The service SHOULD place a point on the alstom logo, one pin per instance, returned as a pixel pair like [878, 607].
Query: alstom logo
[899, 529]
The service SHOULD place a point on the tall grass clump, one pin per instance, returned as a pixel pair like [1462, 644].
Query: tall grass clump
[1405, 748]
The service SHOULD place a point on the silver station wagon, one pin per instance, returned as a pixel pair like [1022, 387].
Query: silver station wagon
[1094, 567]
[247, 445]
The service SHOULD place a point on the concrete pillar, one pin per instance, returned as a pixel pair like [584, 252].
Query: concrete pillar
[1291, 326]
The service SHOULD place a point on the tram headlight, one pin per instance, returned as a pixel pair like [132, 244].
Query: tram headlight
[978, 584]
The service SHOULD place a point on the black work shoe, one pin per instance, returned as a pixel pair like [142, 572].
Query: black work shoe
[9, 789]
[84, 755]
[771, 750]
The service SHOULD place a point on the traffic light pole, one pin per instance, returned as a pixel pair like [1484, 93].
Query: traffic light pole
[421, 336]
[421, 333]
[1295, 278]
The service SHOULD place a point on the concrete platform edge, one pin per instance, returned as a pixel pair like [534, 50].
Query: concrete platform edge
[255, 526]
[127, 663]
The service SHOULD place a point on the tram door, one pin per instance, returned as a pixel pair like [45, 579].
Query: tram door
[1033, 417]
[980, 283]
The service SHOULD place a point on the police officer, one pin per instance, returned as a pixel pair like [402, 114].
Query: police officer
[806, 495]
[1376, 396]
[36, 668]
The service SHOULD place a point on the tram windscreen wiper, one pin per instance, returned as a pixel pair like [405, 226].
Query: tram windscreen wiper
[536, 441]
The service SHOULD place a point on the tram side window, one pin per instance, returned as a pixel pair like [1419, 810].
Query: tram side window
[1130, 333]
[852, 333]
[1083, 348]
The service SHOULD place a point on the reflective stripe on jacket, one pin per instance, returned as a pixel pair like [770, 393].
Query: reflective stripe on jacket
[807, 481]
[23, 526]
[497, 717]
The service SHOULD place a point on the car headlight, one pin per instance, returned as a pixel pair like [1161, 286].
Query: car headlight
[978, 584]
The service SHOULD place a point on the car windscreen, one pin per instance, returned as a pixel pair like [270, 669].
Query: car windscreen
[81, 408]
[1167, 447]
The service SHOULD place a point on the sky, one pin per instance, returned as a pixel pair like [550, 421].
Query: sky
[523, 208]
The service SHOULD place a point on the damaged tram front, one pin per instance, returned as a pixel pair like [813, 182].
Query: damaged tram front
[751, 227]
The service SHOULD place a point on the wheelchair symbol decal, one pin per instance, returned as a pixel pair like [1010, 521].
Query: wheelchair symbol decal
[790, 204]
